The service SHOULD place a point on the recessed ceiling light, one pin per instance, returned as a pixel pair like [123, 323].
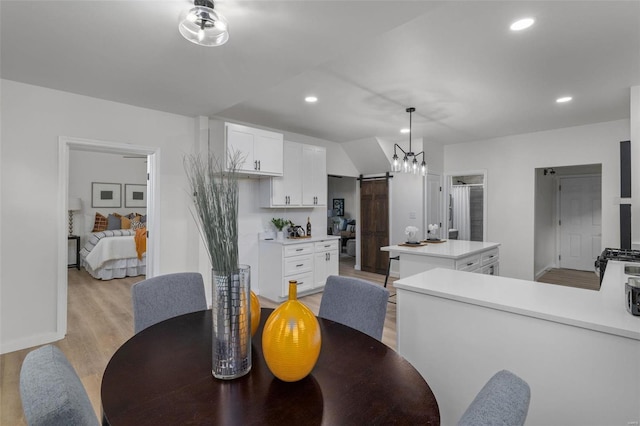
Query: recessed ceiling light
[404, 130]
[522, 24]
[564, 99]
[311, 99]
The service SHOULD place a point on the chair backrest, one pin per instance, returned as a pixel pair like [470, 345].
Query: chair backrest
[355, 303]
[166, 296]
[504, 400]
[51, 392]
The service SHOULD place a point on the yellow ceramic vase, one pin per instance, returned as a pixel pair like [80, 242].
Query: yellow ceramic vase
[291, 339]
[255, 313]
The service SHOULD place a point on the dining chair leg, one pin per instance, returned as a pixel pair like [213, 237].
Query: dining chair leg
[389, 268]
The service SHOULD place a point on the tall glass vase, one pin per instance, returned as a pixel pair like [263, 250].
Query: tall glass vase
[231, 323]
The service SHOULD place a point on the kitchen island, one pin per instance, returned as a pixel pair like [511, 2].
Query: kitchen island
[472, 256]
[578, 349]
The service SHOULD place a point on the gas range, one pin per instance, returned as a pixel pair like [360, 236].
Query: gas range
[607, 254]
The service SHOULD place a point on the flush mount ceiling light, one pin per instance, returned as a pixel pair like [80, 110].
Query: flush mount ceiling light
[204, 26]
[311, 99]
[564, 99]
[410, 160]
[522, 24]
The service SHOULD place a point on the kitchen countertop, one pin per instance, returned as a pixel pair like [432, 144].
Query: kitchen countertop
[451, 249]
[312, 239]
[602, 310]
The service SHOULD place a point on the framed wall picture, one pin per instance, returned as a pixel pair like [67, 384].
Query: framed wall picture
[338, 206]
[106, 194]
[135, 195]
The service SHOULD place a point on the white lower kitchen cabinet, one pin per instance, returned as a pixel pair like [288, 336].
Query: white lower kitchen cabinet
[308, 261]
[326, 261]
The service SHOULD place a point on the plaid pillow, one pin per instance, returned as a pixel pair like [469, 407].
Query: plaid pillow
[136, 224]
[100, 223]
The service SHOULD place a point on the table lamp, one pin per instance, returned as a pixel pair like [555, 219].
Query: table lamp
[75, 204]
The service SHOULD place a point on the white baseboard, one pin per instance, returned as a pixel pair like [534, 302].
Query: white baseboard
[29, 342]
[544, 271]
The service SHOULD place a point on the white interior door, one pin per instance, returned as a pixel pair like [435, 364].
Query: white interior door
[580, 221]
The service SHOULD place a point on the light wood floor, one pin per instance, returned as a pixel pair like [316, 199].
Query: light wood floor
[100, 320]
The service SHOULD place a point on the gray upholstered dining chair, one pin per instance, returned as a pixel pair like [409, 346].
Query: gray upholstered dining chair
[355, 303]
[504, 400]
[166, 296]
[51, 391]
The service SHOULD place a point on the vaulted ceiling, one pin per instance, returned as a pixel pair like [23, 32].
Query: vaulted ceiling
[457, 62]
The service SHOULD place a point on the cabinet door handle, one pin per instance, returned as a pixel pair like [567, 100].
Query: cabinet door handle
[255, 165]
[470, 263]
[302, 264]
[328, 245]
[299, 249]
[259, 167]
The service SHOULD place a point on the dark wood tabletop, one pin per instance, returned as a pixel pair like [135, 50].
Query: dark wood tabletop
[162, 376]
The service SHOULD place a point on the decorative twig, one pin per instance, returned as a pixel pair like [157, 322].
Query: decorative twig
[215, 202]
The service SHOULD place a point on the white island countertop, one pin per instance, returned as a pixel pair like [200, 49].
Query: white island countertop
[602, 310]
[312, 239]
[450, 249]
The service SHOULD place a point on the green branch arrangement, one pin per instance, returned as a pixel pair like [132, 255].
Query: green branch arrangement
[215, 200]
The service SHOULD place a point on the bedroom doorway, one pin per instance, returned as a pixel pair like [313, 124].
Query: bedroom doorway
[68, 144]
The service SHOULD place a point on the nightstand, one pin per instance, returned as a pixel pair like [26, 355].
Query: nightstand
[77, 264]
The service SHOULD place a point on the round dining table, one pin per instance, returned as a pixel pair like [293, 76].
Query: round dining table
[162, 376]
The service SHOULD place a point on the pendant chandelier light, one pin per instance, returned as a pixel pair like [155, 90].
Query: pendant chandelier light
[204, 26]
[410, 160]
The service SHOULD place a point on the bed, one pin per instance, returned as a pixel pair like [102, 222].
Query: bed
[115, 254]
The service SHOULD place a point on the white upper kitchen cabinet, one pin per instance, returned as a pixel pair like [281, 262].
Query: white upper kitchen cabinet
[314, 176]
[285, 190]
[262, 150]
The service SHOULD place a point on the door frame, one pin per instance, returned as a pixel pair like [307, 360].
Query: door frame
[447, 192]
[425, 205]
[65, 145]
[557, 261]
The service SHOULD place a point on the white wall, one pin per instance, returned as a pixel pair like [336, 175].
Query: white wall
[87, 167]
[343, 187]
[510, 162]
[545, 222]
[407, 199]
[32, 120]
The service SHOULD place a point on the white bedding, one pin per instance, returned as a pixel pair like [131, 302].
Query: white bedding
[119, 268]
[110, 249]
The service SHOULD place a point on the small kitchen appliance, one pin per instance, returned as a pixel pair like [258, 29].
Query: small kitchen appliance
[607, 254]
[632, 288]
